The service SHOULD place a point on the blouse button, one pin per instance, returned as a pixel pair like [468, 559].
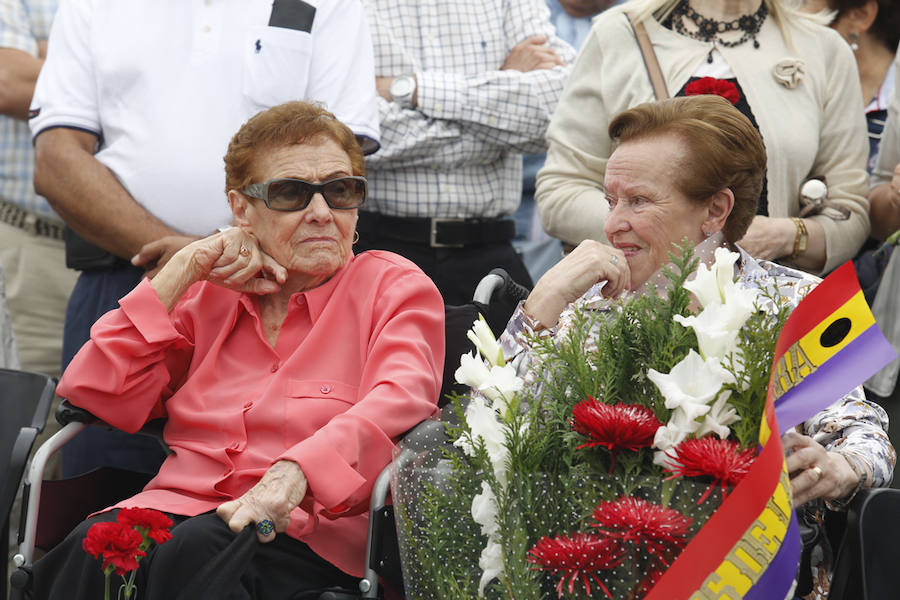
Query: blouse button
[274, 367]
[325, 389]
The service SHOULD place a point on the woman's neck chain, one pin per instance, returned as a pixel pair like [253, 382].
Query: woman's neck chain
[709, 30]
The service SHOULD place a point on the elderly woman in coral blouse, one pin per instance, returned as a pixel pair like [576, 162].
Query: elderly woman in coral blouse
[286, 366]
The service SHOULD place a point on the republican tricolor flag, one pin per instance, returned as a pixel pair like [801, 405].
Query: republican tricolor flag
[829, 345]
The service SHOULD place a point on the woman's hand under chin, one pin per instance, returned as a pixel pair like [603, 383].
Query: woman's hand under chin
[816, 472]
[589, 263]
[231, 258]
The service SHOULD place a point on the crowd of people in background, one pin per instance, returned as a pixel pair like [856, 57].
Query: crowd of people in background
[484, 125]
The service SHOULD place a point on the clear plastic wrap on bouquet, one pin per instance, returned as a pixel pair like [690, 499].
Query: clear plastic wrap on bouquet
[447, 554]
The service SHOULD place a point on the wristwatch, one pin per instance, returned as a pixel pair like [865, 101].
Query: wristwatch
[802, 238]
[402, 90]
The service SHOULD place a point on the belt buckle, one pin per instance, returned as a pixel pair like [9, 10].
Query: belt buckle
[434, 231]
[30, 224]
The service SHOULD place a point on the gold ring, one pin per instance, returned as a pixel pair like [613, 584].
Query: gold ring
[818, 471]
[245, 251]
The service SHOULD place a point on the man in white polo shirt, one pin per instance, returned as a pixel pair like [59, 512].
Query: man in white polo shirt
[132, 114]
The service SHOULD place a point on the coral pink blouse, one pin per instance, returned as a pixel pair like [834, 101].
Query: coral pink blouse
[358, 362]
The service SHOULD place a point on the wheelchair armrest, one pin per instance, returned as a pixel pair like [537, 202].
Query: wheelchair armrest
[67, 412]
[499, 285]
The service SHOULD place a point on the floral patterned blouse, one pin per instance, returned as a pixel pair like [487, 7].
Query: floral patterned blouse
[852, 425]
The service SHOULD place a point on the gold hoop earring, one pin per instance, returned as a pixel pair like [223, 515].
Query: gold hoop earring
[355, 236]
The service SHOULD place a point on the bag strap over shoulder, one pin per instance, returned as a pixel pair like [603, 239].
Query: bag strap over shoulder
[656, 77]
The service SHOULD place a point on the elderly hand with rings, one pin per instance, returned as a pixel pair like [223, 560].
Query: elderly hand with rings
[286, 365]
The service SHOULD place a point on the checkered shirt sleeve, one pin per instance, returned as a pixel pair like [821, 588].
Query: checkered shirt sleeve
[22, 24]
[458, 153]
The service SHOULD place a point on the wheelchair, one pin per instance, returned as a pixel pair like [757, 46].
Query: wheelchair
[496, 296]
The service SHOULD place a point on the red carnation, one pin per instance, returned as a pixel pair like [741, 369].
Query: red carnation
[149, 522]
[664, 531]
[713, 86]
[615, 427]
[118, 543]
[723, 460]
[576, 556]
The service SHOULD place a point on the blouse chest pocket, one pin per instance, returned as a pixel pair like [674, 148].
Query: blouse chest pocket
[276, 65]
[311, 404]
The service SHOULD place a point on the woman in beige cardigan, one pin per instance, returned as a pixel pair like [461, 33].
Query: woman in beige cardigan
[796, 78]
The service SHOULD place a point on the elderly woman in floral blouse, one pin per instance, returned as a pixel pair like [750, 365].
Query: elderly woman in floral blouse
[692, 168]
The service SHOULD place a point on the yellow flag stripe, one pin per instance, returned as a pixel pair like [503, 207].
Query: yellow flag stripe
[860, 318]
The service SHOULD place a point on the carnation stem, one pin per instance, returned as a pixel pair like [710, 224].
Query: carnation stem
[129, 584]
[106, 587]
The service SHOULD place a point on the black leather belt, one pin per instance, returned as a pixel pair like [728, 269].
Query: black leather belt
[13, 214]
[437, 233]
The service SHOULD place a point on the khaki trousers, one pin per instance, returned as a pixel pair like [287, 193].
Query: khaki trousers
[38, 285]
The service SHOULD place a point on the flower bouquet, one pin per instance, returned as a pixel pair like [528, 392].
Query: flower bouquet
[123, 542]
[637, 461]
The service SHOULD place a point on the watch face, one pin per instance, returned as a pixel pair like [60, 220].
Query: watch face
[402, 86]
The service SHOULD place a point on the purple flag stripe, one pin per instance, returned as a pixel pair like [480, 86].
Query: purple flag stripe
[855, 363]
[777, 579]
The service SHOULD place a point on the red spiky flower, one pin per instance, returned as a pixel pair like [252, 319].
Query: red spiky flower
[614, 426]
[663, 531]
[576, 557]
[723, 460]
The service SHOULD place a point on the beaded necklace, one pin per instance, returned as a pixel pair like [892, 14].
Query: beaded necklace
[709, 30]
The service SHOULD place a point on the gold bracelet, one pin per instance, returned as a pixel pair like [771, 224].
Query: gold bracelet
[802, 238]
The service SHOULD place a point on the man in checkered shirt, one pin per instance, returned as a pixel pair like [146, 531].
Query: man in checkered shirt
[32, 253]
[465, 88]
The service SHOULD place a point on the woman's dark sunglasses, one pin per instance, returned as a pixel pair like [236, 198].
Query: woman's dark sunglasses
[342, 193]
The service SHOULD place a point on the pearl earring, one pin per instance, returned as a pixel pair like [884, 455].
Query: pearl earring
[854, 41]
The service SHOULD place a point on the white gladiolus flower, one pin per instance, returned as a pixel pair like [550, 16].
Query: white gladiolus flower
[717, 328]
[500, 386]
[491, 563]
[721, 415]
[484, 510]
[483, 423]
[710, 284]
[670, 435]
[718, 325]
[691, 384]
[484, 340]
[472, 371]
